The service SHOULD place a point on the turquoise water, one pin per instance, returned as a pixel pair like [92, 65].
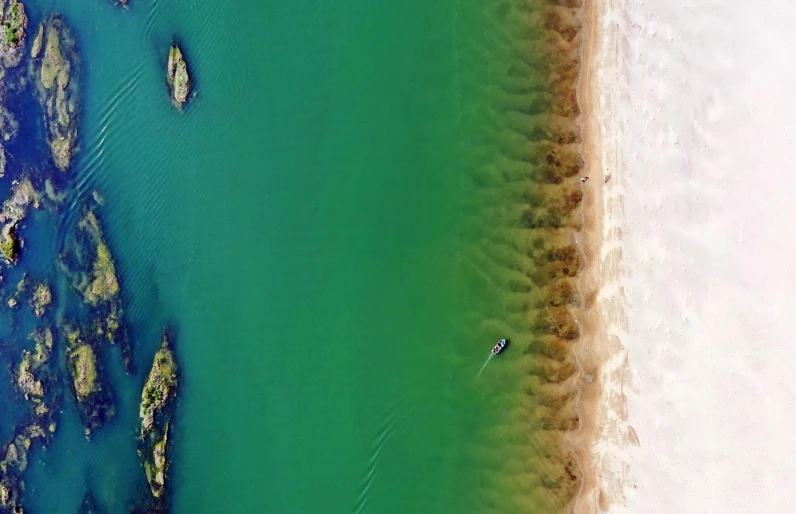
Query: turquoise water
[303, 226]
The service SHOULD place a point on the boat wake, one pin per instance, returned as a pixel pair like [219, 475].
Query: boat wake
[485, 363]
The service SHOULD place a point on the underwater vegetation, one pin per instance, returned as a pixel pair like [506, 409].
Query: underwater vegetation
[68, 352]
[526, 159]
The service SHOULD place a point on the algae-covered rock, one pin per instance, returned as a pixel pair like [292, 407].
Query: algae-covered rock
[35, 379]
[23, 195]
[26, 381]
[33, 371]
[104, 285]
[88, 263]
[156, 409]
[14, 463]
[88, 383]
[9, 244]
[42, 298]
[13, 24]
[160, 387]
[14, 210]
[83, 368]
[178, 78]
[56, 86]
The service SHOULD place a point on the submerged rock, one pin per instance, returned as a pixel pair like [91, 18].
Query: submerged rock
[26, 381]
[178, 78]
[38, 41]
[33, 372]
[89, 505]
[22, 286]
[13, 25]
[89, 265]
[103, 285]
[83, 368]
[42, 298]
[92, 393]
[156, 409]
[23, 195]
[14, 463]
[57, 87]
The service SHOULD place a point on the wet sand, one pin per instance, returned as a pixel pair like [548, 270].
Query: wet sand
[688, 249]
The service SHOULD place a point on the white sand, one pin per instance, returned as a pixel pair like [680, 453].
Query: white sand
[697, 102]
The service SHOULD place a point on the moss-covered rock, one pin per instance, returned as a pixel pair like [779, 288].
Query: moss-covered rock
[9, 244]
[178, 78]
[57, 87]
[156, 409]
[13, 24]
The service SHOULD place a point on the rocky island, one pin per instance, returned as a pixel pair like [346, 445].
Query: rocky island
[14, 211]
[178, 79]
[56, 86]
[89, 265]
[156, 409]
[91, 391]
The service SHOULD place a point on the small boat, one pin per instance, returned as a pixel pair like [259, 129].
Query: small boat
[499, 347]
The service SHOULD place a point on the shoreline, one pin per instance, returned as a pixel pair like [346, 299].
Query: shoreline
[596, 351]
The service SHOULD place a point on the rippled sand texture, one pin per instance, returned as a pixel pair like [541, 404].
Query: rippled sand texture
[526, 168]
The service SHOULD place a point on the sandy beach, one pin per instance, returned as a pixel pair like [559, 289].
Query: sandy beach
[689, 136]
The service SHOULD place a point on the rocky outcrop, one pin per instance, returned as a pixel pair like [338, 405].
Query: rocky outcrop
[177, 75]
[34, 375]
[56, 75]
[14, 210]
[38, 41]
[91, 390]
[13, 24]
[9, 243]
[155, 412]
[35, 379]
[19, 292]
[89, 265]
[42, 298]
[89, 505]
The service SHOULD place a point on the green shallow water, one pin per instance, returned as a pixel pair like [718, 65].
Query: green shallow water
[302, 225]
